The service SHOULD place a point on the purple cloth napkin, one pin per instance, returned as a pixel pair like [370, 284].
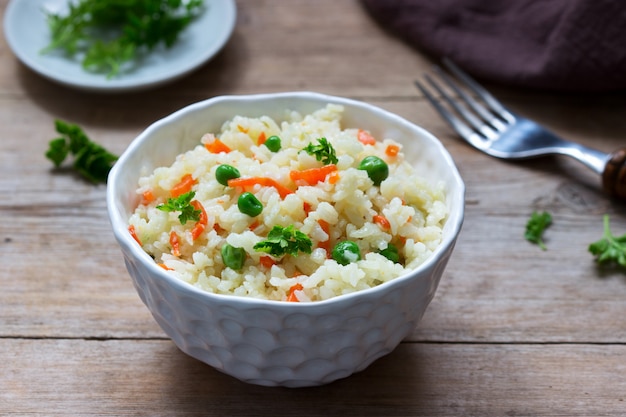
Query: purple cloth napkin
[567, 45]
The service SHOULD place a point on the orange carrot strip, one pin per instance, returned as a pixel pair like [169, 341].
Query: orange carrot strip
[307, 208]
[262, 181]
[175, 243]
[333, 177]
[254, 225]
[148, 196]
[382, 221]
[133, 233]
[167, 268]
[291, 296]
[217, 146]
[183, 186]
[261, 139]
[267, 261]
[365, 138]
[200, 224]
[326, 228]
[313, 175]
[392, 150]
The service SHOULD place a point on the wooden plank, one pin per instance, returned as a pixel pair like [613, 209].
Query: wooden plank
[153, 378]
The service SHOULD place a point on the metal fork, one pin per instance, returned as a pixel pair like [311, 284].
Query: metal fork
[490, 127]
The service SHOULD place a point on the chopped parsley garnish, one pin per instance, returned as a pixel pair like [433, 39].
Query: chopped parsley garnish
[111, 33]
[183, 204]
[535, 227]
[91, 160]
[609, 249]
[323, 151]
[284, 240]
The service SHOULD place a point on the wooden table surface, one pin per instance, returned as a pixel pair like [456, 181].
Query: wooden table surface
[512, 331]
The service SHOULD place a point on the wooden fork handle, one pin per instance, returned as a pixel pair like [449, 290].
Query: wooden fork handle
[614, 175]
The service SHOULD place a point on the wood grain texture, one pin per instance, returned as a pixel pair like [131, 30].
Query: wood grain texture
[512, 330]
[153, 378]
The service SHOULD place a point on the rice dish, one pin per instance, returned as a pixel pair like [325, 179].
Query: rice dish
[296, 210]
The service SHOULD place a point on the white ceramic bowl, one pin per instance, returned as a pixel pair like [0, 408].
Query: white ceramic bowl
[278, 343]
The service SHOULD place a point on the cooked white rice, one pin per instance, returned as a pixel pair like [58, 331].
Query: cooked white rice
[414, 208]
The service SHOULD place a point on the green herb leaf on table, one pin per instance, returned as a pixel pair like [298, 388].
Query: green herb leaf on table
[91, 160]
[183, 204]
[323, 151]
[109, 34]
[609, 249]
[284, 240]
[535, 227]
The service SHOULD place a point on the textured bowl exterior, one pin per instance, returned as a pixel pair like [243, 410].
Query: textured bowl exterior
[276, 343]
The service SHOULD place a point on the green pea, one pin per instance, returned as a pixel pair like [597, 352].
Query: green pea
[345, 252]
[249, 204]
[233, 257]
[273, 143]
[376, 168]
[391, 253]
[225, 172]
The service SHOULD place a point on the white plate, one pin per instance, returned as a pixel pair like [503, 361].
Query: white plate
[27, 33]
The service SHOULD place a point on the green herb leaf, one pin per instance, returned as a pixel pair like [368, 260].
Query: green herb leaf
[91, 160]
[182, 203]
[57, 151]
[323, 151]
[609, 249]
[284, 240]
[113, 33]
[535, 227]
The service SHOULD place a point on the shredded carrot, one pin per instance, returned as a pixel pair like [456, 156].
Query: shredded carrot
[148, 196]
[365, 137]
[291, 296]
[175, 243]
[200, 225]
[267, 261]
[382, 222]
[261, 139]
[313, 175]
[167, 268]
[307, 208]
[242, 129]
[263, 181]
[217, 146]
[392, 150]
[333, 177]
[183, 186]
[254, 225]
[133, 233]
[326, 244]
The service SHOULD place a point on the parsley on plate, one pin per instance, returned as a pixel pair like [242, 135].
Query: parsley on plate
[107, 34]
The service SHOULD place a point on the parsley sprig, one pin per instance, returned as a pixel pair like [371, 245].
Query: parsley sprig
[111, 33]
[284, 240]
[91, 160]
[183, 204]
[609, 249]
[535, 227]
[323, 151]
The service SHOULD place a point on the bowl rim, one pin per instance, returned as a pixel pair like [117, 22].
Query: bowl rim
[129, 245]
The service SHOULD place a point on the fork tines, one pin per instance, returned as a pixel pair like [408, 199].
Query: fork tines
[478, 123]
